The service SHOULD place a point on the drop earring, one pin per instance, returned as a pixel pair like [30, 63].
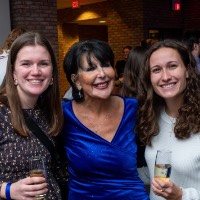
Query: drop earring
[80, 95]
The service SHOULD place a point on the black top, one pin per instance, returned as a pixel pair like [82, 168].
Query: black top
[120, 65]
[15, 151]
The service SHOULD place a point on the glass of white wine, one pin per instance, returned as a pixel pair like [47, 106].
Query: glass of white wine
[37, 168]
[162, 168]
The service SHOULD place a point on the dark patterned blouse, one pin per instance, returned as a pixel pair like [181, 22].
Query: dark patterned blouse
[15, 151]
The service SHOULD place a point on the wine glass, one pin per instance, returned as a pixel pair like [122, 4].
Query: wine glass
[162, 168]
[37, 168]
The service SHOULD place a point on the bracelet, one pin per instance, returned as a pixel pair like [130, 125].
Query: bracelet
[8, 191]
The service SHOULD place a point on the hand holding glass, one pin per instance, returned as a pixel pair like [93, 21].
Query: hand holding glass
[37, 169]
[162, 168]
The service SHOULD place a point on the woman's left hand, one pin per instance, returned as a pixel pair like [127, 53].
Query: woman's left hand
[167, 190]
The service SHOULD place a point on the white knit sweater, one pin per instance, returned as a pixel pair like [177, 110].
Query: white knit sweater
[185, 159]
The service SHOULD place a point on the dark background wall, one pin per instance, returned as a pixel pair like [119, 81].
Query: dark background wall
[128, 22]
[4, 20]
[191, 14]
[36, 15]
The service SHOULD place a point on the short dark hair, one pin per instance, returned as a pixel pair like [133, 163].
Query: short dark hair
[101, 50]
[190, 37]
[127, 47]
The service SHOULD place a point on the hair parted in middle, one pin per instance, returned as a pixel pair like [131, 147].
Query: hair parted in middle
[49, 101]
[188, 119]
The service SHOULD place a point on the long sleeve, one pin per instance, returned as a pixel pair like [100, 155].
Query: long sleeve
[15, 151]
[190, 194]
[185, 159]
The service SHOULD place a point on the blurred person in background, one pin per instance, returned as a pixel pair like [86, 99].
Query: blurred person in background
[132, 88]
[192, 39]
[4, 50]
[120, 65]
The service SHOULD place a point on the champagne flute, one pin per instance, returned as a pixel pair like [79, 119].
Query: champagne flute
[37, 168]
[162, 168]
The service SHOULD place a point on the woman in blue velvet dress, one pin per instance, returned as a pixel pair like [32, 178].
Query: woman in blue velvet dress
[98, 132]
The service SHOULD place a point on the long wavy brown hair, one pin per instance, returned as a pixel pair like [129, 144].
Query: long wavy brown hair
[188, 120]
[49, 101]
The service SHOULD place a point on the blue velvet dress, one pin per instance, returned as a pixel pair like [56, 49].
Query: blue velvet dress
[102, 170]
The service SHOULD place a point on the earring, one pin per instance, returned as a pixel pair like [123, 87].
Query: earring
[51, 83]
[80, 95]
[15, 82]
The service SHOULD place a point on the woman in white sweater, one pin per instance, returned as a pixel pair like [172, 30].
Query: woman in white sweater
[169, 118]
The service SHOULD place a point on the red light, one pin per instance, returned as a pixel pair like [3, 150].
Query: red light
[177, 6]
[75, 4]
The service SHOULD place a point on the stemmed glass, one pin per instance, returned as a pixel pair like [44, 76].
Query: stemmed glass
[162, 168]
[37, 168]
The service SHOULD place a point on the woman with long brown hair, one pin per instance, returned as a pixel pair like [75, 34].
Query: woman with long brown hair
[169, 118]
[30, 87]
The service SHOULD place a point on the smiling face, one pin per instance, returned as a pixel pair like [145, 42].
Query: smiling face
[168, 74]
[32, 72]
[95, 79]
